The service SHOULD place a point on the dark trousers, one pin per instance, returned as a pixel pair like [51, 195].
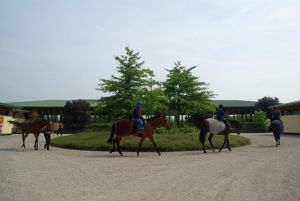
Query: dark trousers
[59, 131]
[48, 139]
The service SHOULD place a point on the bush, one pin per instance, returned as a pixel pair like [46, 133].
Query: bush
[178, 130]
[165, 142]
[261, 121]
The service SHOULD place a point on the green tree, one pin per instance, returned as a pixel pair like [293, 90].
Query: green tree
[76, 114]
[261, 120]
[153, 97]
[185, 92]
[264, 103]
[134, 83]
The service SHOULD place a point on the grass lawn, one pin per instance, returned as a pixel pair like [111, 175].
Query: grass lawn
[91, 140]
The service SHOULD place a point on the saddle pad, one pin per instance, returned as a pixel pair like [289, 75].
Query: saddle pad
[215, 126]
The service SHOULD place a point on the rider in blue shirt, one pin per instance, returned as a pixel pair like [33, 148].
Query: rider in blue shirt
[138, 118]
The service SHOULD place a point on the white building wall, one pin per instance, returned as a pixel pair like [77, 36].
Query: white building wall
[7, 127]
[291, 123]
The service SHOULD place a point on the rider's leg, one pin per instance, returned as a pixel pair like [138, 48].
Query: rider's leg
[139, 126]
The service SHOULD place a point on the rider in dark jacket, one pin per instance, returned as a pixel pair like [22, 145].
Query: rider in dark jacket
[221, 116]
[276, 125]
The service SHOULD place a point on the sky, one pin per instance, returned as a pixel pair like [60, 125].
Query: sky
[244, 49]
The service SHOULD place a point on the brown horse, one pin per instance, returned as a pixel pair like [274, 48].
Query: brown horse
[126, 127]
[35, 127]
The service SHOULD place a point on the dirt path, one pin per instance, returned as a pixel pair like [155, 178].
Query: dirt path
[256, 172]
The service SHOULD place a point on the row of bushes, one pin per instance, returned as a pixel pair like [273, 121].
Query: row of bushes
[260, 124]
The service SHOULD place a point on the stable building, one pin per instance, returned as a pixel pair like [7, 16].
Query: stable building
[238, 109]
[6, 114]
[290, 116]
[53, 109]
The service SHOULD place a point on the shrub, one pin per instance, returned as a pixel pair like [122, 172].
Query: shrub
[261, 121]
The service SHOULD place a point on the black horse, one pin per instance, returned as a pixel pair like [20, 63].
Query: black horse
[205, 123]
[277, 128]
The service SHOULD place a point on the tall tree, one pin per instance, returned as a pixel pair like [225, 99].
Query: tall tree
[185, 92]
[76, 114]
[133, 84]
[264, 103]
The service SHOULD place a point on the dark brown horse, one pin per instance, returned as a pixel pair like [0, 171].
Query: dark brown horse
[206, 122]
[35, 127]
[126, 127]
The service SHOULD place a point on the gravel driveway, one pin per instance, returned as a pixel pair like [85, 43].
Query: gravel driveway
[259, 171]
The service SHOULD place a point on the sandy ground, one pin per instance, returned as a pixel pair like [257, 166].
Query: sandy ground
[256, 172]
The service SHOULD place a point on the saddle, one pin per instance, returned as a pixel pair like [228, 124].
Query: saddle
[133, 128]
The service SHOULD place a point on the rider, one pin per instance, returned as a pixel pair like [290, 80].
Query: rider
[138, 118]
[275, 114]
[221, 116]
[276, 125]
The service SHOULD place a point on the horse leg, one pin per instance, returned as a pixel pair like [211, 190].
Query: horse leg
[118, 140]
[36, 143]
[23, 138]
[113, 144]
[228, 144]
[153, 142]
[225, 141]
[202, 137]
[140, 145]
[210, 141]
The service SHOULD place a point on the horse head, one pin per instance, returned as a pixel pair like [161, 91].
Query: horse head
[164, 121]
[159, 120]
[46, 125]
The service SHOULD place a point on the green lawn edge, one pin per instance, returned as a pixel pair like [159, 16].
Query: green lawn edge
[96, 141]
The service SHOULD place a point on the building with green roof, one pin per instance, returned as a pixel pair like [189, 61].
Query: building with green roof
[243, 109]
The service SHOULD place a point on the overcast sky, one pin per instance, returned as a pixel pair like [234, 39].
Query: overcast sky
[245, 49]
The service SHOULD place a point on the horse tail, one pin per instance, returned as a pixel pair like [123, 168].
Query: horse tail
[202, 133]
[112, 133]
[15, 123]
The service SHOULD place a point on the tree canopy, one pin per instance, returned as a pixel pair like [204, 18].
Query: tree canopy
[134, 83]
[76, 114]
[264, 103]
[185, 92]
